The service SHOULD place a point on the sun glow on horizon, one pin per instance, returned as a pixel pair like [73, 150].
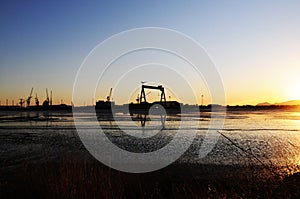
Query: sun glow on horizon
[293, 89]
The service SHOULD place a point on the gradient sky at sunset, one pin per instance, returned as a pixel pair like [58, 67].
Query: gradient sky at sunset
[254, 44]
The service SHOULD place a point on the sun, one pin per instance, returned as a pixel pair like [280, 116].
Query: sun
[293, 90]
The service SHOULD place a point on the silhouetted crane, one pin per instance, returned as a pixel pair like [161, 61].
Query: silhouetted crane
[37, 102]
[50, 102]
[159, 87]
[46, 102]
[108, 98]
[21, 102]
[29, 98]
[138, 97]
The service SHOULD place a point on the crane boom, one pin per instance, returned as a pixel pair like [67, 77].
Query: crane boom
[108, 98]
[46, 101]
[50, 102]
[47, 96]
[29, 97]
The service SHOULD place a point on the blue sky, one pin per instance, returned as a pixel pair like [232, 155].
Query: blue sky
[255, 44]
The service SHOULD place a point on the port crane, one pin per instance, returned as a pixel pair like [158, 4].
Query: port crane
[108, 98]
[37, 102]
[50, 101]
[138, 97]
[29, 98]
[46, 102]
[143, 95]
[21, 102]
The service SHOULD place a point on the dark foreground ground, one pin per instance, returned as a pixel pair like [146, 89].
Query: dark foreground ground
[58, 166]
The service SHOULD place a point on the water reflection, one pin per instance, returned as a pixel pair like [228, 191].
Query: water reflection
[273, 137]
[35, 118]
[144, 118]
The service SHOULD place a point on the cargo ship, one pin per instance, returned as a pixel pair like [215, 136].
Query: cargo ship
[169, 107]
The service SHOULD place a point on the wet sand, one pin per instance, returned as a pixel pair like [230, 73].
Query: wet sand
[52, 164]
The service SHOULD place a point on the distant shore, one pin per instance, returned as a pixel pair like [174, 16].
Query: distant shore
[204, 108]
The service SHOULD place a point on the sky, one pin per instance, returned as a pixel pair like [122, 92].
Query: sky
[255, 45]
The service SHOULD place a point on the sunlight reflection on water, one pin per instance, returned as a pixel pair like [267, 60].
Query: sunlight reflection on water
[271, 136]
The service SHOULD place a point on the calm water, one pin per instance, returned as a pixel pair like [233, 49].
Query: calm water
[251, 138]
